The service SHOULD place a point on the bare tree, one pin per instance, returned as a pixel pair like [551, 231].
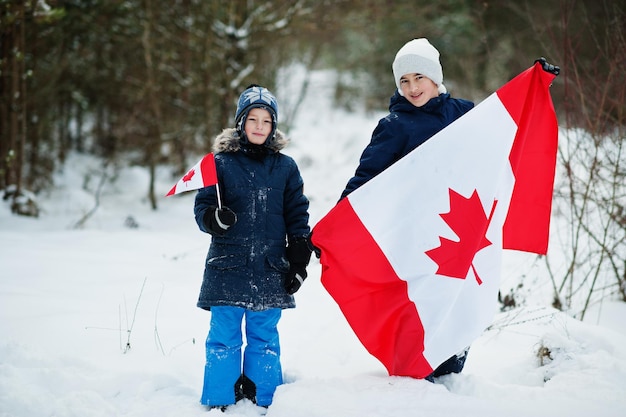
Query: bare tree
[589, 42]
[154, 105]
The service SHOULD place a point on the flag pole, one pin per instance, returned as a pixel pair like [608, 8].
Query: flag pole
[219, 199]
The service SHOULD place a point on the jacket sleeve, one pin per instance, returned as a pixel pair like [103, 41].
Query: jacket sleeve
[383, 150]
[205, 198]
[296, 205]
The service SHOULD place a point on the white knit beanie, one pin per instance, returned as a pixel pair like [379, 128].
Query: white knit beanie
[418, 56]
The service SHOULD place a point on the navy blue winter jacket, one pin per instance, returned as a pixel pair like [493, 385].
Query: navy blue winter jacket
[405, 128]
[247, 265]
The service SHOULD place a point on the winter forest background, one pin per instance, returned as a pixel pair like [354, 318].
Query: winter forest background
[148, 83]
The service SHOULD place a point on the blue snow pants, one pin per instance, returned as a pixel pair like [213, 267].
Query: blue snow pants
[261, 358]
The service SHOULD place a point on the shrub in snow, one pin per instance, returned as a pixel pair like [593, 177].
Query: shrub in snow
[23, 202]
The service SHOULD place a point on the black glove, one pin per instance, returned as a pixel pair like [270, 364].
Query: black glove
[218, 220]
[295, 277]
[315, 249]
[298, 255]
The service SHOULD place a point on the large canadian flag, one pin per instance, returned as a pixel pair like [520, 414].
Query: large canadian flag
[413, 257]
[202, 174]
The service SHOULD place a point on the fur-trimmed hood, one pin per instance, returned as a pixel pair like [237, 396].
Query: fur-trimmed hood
[229, 141]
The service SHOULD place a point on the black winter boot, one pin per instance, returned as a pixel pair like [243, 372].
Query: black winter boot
[245, 388]
[453, 365]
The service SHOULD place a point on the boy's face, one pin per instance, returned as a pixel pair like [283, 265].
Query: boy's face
[258, 126]
[418, 89]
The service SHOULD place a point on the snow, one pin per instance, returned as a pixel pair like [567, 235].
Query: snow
[101, 320]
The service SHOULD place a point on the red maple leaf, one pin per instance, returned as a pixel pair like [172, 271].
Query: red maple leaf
[468, 220]
[188, 176]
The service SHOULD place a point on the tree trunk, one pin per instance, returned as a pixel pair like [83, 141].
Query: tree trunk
[154, 106]
[12, 109]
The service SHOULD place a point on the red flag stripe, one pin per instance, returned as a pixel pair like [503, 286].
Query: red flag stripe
[209, 172]
[171, 192]
[533, 159]
[361, 280]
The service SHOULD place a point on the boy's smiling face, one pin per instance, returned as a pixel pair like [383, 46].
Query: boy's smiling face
[258, 126]
[418, 89]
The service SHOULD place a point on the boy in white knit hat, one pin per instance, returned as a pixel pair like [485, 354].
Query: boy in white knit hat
[418, 55]
[419, 108]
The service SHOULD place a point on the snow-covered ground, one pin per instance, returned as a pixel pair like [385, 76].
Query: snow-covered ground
[101, 320]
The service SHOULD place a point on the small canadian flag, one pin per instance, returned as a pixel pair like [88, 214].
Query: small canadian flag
[202, 174]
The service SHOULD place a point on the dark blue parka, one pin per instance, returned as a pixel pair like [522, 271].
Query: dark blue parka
[247, 265]
[405, 128]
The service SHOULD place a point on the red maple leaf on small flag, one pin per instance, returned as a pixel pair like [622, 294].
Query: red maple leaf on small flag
[468, 220]
[188, 176]
[207, 176]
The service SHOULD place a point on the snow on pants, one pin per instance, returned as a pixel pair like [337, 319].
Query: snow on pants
[261, 358]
